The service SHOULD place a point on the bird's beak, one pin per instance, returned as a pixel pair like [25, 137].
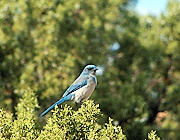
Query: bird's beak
[95, 69]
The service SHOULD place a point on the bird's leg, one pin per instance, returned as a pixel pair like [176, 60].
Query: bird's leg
[77, 106]
[81, 102]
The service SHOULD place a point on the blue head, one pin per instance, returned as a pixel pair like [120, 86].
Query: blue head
[90, 69]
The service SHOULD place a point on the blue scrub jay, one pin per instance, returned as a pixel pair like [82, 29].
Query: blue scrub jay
[80, 90]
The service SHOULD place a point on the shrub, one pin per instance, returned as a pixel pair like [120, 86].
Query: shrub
[81, 124]
[5, 124]
[153, 136]
[23, 127]
[64, 123]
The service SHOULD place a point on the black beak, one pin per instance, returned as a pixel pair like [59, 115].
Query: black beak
[95, 69]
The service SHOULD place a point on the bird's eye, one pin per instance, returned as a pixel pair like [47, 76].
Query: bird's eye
[90, 68]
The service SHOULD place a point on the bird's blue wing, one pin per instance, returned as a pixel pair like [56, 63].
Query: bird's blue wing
[78, 83]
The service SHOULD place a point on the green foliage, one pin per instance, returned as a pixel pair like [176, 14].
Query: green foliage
[80, 124]
[144, 75]
[46, 44]
[5, 124]
[153, 136]
[63, 124]
[111, 132]
[22, 127]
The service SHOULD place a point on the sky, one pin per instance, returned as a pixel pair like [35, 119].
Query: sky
[154, 7]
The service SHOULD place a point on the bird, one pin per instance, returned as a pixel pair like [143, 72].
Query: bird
[80, 90]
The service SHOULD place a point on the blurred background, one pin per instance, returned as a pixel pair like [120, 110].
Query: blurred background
[45, 44]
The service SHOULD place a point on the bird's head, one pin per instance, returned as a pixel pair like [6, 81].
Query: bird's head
[90, 69]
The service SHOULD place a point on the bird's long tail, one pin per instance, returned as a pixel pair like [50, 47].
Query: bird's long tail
[66, 98]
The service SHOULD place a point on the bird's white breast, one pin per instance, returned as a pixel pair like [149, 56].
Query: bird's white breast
[85, 92]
